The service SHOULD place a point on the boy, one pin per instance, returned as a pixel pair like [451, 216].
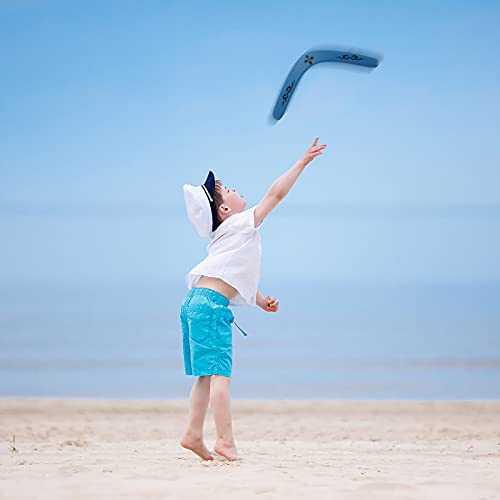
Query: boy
[228, 275]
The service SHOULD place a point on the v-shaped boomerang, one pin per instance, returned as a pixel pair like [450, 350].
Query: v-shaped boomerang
[308, 60]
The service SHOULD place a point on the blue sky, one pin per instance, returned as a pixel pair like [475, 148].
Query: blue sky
[109, 107]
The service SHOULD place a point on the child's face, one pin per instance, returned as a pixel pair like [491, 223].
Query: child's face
[233, 200]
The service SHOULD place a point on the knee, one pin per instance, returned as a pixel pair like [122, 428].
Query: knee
[220, 380]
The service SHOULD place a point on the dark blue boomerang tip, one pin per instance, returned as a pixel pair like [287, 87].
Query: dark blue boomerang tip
[310, 59]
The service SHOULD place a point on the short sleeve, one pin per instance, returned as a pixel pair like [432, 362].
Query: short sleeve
[244, 222]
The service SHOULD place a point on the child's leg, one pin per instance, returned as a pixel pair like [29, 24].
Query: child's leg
[221, 406]
[198, 405]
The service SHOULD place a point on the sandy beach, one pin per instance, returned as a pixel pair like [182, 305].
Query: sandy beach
[90, 448]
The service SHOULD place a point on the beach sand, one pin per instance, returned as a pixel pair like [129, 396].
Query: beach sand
[341, 449]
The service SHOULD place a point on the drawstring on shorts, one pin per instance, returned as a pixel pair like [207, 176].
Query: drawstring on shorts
[240, 328]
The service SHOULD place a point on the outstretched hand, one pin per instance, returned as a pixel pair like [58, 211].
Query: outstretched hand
[313, 151]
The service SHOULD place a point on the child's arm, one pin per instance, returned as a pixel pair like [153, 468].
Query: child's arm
[269, 303]
[282, 185]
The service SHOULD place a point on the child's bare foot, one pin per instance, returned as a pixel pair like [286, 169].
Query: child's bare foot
[196, 445]
[227, 450]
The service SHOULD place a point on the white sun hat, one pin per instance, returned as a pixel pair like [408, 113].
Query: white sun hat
[200, 205]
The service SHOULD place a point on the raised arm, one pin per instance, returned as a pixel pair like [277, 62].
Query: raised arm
[282, 185]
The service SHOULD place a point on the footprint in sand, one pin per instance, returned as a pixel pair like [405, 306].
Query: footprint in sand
[73, 442]
[223, 459]
[260, 490]
[219, 461]
[70, 470]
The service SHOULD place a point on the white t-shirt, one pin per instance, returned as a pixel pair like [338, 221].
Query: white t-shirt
[234, 254]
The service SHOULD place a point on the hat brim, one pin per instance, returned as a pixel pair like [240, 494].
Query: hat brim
[198, 209]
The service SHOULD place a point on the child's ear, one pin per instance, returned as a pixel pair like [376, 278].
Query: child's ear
[222, 209]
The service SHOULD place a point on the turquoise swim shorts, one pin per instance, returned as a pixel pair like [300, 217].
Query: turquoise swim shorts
[207, 336]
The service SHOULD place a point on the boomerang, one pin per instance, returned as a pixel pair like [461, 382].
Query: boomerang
[308, 60]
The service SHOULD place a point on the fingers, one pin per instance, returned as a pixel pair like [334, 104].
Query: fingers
[315, 151]
[317, 148]
[272, 303]
[316, 142]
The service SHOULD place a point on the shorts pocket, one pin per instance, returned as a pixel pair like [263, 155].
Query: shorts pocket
[223, 318]
[200, 314]
[225, 335]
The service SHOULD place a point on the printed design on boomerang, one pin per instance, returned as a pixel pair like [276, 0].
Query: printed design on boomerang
[310, 59]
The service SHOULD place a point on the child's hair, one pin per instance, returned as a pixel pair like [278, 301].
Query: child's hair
[218, 200]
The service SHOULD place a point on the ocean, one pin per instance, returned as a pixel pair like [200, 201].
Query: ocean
[328, 340]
